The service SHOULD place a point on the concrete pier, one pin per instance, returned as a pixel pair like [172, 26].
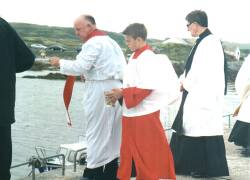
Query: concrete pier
[239, 167]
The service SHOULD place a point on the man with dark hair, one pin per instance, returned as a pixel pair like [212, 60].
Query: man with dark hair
[101, 62]
[197, 143]
[199, 17]
[147, 83]
[15, 57]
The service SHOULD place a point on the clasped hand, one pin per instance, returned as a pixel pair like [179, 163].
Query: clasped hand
[114, 94]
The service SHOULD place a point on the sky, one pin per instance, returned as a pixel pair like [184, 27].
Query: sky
[227, 19]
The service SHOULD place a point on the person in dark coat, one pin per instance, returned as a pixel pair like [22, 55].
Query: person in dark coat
[15, 57]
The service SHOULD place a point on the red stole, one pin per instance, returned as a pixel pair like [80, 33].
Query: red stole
[94, 33]
[69, 84]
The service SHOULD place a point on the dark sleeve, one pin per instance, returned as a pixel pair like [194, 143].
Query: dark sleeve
[120, 101]
[133, 96]
[24, 58]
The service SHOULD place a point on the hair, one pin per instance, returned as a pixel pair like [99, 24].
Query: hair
[136, 30]
[90, 19]
[199, 17]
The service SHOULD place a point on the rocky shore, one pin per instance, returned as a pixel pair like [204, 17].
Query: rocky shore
[233, 67]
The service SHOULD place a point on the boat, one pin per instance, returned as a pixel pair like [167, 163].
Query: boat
[74, 153]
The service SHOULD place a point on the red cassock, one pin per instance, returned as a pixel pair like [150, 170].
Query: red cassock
[143, 139]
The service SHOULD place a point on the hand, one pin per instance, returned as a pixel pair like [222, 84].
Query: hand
[54, 61]
[181, 87]
[114, 95]
[237, 110]
[117, 92]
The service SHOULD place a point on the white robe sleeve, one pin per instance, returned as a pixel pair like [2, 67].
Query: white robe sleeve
[85, 60]
[169, 79]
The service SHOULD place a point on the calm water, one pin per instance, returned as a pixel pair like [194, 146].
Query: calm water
[41, 119]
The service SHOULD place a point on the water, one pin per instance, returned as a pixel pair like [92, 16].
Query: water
[41, 119]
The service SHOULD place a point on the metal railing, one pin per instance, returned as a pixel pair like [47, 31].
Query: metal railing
[34, 162]
[229, 119]
[75, 155]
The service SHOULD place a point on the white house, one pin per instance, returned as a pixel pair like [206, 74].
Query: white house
[175, 41]
[237, 54]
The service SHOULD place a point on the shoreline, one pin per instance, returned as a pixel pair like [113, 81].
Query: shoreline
[42, 70]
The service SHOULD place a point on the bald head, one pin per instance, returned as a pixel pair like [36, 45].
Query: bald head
[86, 18]
[84, 25]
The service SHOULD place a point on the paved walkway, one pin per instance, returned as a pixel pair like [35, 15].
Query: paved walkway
[239, 167]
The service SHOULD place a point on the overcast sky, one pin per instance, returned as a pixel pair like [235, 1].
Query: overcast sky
[228, 19]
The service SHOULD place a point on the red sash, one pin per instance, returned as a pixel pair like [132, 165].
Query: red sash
[67, 93]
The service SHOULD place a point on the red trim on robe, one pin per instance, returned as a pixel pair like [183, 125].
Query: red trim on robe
[133, 96]
[67, 93]
[69, 84]
[96, 32]
[139, 51]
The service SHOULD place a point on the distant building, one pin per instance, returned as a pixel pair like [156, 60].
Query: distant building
[43, 53]
[233, 52]
[174, 41]
[38, 46]
[237, 54]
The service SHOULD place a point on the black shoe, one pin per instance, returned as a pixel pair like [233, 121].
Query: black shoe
[197, 175]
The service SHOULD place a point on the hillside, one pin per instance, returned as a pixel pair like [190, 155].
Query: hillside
[46, 35]
[50, 35]
[65, 37]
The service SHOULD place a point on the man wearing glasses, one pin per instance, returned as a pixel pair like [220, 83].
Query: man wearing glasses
[197, 143]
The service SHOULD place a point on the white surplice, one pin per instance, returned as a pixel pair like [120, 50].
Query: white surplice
[205, 84]
[155, 72]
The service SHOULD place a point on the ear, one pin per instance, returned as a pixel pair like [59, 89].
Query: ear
[91, 26]
[139, 39]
